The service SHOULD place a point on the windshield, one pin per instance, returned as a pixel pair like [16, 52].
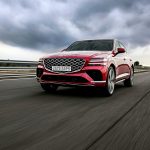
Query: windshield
[98, 45]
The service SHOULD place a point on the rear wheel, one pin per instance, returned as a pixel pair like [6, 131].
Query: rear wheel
[110, 84]
[49, 87]
[129, 82]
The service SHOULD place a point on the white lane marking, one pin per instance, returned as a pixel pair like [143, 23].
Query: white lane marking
[20, 78]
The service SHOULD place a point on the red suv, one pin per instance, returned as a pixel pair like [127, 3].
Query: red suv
[99, 63]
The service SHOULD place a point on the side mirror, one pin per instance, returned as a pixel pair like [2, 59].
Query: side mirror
[121, 50]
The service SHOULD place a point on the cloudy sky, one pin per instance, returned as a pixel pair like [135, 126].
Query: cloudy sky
[30, 29]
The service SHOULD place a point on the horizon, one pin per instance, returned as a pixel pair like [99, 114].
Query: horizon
[140, 64]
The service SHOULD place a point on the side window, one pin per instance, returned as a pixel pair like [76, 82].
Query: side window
[117, 45]
[122, 46]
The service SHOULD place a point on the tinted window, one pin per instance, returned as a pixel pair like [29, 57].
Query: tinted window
[98, 45]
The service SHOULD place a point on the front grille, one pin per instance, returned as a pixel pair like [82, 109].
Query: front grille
[57, 78]
[75, 63]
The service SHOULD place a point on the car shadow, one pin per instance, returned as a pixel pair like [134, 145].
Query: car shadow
[85, 92]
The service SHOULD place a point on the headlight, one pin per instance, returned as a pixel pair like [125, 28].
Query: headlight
[97, 61]
[41, 61]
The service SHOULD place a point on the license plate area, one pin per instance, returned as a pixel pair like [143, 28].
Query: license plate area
[61, 68]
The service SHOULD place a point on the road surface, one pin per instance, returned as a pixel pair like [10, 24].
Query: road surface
[74, 118]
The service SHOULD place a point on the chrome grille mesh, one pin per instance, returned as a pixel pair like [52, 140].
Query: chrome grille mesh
[75, 63]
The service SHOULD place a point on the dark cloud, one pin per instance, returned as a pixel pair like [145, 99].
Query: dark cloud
[28, 24]
[35, 35]
[52, 24]
[88, 7]
[126, 20]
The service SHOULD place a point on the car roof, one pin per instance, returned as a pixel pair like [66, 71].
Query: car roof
[97, 40]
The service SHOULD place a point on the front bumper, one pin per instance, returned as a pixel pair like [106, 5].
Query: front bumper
[88, 76]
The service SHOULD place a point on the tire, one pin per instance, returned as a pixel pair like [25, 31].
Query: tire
[110, 83]
[49, 87]
[129, 82]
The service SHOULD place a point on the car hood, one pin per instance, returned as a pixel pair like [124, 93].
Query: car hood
[80, 54]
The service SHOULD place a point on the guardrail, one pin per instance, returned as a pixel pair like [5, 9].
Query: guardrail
[17, 68]
[17, 72]
[26, 69]
[18, 62]
[139, 71]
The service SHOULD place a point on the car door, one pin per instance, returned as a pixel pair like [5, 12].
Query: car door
[120, 60]
[126, 60]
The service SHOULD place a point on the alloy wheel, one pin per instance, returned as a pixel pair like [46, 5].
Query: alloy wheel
[111, 81]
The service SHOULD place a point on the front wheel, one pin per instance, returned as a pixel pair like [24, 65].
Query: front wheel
[49, 87]
[110, 83]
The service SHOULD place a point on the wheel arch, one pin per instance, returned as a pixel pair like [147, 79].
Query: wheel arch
[112, 65]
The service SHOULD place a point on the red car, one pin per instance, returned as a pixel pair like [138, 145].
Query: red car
[99, 63]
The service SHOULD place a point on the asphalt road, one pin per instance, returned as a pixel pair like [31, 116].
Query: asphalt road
[74, 118]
